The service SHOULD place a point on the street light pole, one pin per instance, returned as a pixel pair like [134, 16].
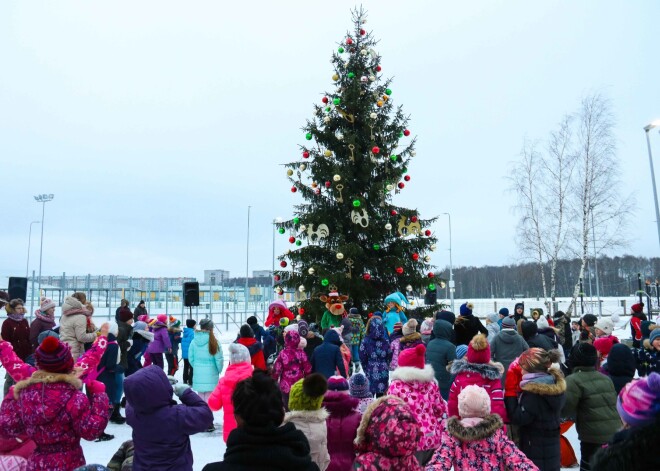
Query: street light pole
[647, 128]
[43, 199]
[451, 268]
[27, 265]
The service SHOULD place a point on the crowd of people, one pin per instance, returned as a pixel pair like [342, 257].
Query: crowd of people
[391, 393]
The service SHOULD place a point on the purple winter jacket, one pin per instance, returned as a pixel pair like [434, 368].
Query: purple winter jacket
[161, 427]
[161, 342]
[342, 424]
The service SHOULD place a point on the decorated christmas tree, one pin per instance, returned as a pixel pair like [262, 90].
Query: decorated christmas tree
[348, 235]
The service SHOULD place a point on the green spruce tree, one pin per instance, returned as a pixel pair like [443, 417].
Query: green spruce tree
[348, 235]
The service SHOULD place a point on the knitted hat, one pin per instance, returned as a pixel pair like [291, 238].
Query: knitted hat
[508, 323]
[284, 321]
[637, 308]
[639, 401]
[537, 360]
[46, 304]
[397, 326]
[125, 315]
[414, 357]
[238, 354]
[190, 323]
[47, 333]
[466, 309]
[589, 319]
[303, 328]
[252, 320]
[655, 333]
[542, 323]
[307, 393]
[427, 326]
[478, 350]
[461, 350]
[246, 331]
[206, 324]
[493, 317]
[584, 354]
[162, 318]
[605, 325]
[151, 322]
[358, 386]
[410, 327]
[446, 316]
[337, 383]
[504, 312]
[141, 302]
[353, 310]
[473, 401]
[603, 345]
[139, 325]
[53, 356]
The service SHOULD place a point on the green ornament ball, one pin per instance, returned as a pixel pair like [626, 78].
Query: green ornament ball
[327, 109]
[356, 203]
[351, 75]
[296, 220]
[404, 169]
[298, 243]
[336, 101]
[388, 91]
[376, 247]
[325, 282]
[308, 136]
[432, 286]
[401, 134]
[393, 158]
[281, 230]
[341, 50]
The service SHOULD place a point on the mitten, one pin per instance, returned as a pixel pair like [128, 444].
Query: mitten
[95, 387]
[180, 388]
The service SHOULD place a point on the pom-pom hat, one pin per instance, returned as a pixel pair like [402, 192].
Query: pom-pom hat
[410, 327]
[337, 383]
[303, 328]
[637, 308]
[307, 393]
[46, 304]
[466, 309]
[162, 318]
[414, 357]
[478, 349]
[359, 386]
[53, 356]
[639, 401]
[605, 325]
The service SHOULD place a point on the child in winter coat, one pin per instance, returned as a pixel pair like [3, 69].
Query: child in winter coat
[637, 316]
[327, 358]
[477, 442]
[359, 330]
[591, 401]
[426, 329]
[539, 406]
[240, 367]
[410, 339]
[635, 446]
[122, 460]
[108, 369]
[161, 427]
[206, 358]
[161, 343]
[414, 382]
[291, 364]
[358, 386]
[477, 368]
[648, 357]
[306, 413]
[342, 423]
[620, 366]
[387, 437]
[440, 353]
[343, 348]
[174, 333]
[50, 408]
[375, 356]
[186, 339]
[141, 338]
[492, 325]
[246, 338]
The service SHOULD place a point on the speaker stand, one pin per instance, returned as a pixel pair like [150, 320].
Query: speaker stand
[190, 314]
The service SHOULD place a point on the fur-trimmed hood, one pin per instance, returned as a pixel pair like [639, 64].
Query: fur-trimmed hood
[543, 389]
[484, 429]
[73, 306]
[308, 416]
[492, 370]
[414, 337]
[408, 374]
[46, 377]
[390, 408]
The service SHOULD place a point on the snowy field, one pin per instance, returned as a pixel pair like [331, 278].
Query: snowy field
[208, 447]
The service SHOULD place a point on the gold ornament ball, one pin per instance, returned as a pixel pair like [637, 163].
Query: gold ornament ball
[379, 103]
[364, 52]
[372, 78]
[335, 77]
[340, 256]
[433, 247]
[389, 187]
[427, 258]
[302, 167]
[336, 178]
[327, 153]
[289, 172]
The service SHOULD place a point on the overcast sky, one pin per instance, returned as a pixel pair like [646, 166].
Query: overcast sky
[157, 123]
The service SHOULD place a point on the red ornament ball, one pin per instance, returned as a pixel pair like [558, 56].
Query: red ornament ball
[406, 132]
[401, 185]
[393, 212]
[415, 256]
[276, 277]
[407, 178]
[370, 315]
[399, 270]
[283, 263]
[366, 276]
[427, 232]
[378, 68]
[363, 32]
[413, 218]
[292, 239]
[301, 311]
[431, 274]
[305, 155]
[328, 184]
[293, 189]
[375, 149]
[325, 100]
[349, 41]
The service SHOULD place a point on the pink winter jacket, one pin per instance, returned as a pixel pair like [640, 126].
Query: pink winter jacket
[291, 364]
[52, 411]
[419, 389]
[221, 395]
[481, 447]
[486, 375]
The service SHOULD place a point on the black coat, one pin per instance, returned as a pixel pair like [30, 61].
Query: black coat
[109, 366]
[139, 311]
[123, 337]
[538, 414]
[635, 448]
[311, 346]
[282, 448]
[620, 366]
[530, 333]
[467, 327]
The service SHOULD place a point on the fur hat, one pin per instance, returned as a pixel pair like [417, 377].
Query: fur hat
[461, 350]
[252, 320]
[238, 354]
[446, 316]
[473, 401]
[246, 331]
[584, 354]
[206, 324]
[466, 309]
[125, 315]
[358, 386]
[46, 304]
[162, 318]
[307, 393]
[191, 323]
[639, 401]
[504, 312]
[478, 350]
[605, 325]
[655, 333]
[414, 357]
[303, 328]
[53, 356]
[410, 327]
[337, 383]
[637, 308]
[508, 323]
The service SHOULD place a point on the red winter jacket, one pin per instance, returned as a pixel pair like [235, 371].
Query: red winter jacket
[256, 350]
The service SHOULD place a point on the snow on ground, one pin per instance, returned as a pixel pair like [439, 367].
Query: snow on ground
[209, 447]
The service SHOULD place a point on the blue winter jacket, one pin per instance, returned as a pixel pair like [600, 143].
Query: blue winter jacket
[327, 356]
[207, 368]
[188, 335]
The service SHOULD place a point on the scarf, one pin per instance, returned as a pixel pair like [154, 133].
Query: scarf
[44, 317]
[15, 316]
[537, 378]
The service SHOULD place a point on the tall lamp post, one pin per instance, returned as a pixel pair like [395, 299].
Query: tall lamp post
[43, 199]
[451, 268]
[272, 275]
[27, 265]
[647, 128]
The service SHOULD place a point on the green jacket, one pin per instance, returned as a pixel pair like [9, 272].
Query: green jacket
[591, 401]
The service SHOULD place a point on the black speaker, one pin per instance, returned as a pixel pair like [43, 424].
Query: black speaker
[17, 287]
[430, 297]
[191, 293]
